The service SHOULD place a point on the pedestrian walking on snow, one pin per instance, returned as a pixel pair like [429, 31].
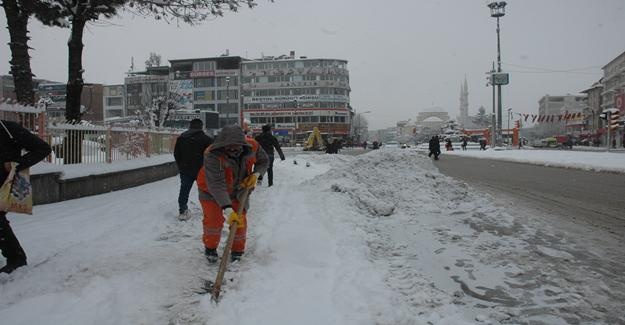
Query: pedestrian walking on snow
[268, 142]
[189, 155]
[435, 147]
[448, 145]
[231, 165]
[464, 144]
[13, 139]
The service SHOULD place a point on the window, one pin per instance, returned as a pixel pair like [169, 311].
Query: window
[203, 95]
[114, 101]
[223, 82]
[204, 82]
[204, 107]
[231, 94]
[230, 108]
[203, 65]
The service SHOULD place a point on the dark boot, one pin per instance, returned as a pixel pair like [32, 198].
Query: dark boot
[235, 256]
[11, 266]
[211, 255]
[10, 246]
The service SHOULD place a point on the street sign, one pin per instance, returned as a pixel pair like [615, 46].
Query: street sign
[500, 78]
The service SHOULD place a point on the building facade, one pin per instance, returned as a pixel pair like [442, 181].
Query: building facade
[594, 106]
[613, 81]
[113, 97]
[141, 88]
[613, 96]
[54, 94]
[209, 85]
[297, 94]
[561, 105]
[7, 87]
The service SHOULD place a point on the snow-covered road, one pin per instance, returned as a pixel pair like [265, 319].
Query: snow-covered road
[380, 238]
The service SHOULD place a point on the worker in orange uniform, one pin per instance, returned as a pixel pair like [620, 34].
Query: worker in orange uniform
[231, 164]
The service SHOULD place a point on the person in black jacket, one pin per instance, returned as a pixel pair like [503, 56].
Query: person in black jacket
[269, 142]
[435, 147]
[189, 155]
[13, 139]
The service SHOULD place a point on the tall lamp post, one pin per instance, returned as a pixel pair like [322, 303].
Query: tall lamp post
[498, 9]
[509, 117]
[227, 100]
[295, 105]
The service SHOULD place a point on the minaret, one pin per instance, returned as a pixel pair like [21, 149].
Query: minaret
[464, 104]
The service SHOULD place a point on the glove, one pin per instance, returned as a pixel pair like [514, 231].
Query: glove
[232, 216]
[250, 181]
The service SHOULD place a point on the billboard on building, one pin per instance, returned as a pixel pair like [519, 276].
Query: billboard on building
[183, 92]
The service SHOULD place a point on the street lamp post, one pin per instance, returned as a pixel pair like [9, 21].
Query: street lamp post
[493, 126]
[227, 100]
[509, 117]
[295, 105]
[498, 9]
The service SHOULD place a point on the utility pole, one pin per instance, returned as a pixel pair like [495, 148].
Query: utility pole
[493, 116]
[227, 100]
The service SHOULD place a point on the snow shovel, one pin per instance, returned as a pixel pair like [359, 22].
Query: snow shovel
[226, 255]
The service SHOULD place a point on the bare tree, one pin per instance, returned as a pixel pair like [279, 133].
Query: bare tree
[153, 61]
[188, 11]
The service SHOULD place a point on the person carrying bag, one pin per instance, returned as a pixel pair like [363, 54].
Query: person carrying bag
[15, 184]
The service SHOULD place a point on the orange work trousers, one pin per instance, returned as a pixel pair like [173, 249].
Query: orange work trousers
[213, 223]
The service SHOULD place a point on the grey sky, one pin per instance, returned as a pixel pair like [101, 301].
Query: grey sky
[404, 55]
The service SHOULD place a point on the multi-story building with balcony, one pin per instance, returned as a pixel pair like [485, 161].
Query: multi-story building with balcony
[613, 81]
[296, 95]
[593, 108]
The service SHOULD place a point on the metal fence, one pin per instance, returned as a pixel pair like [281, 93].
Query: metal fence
[85, 143]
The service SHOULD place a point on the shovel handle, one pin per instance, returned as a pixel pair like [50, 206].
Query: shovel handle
[226, 255]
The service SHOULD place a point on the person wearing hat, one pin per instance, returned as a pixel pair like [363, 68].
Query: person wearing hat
[231, 165]
[269, 142]
[189, 154]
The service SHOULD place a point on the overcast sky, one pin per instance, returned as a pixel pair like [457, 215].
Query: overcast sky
[405, 56]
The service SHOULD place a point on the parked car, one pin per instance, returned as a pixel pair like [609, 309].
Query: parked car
[391, 145]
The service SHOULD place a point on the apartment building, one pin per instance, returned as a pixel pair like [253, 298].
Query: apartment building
[296, 95]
